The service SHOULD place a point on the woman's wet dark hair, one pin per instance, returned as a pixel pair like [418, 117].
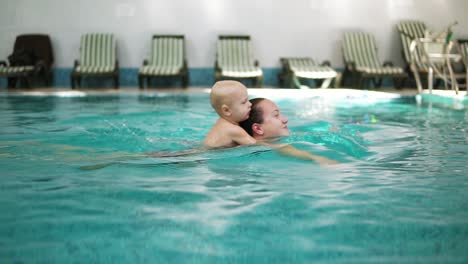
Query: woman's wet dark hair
[256, 116]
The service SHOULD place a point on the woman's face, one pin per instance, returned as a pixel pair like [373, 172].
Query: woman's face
[274, 124]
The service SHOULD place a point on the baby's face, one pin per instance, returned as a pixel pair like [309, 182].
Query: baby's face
[240, 105]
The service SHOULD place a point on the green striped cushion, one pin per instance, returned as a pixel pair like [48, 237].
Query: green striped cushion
[409, 30]
[160, 70]
[95, 69]
[235, 58]
[360, 48]
[97, 53]
[308, 68]
[167, 56]
[4, 70]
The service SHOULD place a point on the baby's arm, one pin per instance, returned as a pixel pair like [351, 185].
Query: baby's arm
[241, 137]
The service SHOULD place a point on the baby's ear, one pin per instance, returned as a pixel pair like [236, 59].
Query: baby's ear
[257, 129]
[226, 110]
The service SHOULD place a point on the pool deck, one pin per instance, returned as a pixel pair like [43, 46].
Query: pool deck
[67, 92]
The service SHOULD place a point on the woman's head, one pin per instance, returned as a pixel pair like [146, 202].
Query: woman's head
[265, 120]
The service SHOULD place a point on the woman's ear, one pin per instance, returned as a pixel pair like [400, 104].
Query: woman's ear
[257, 129]
[226, 110]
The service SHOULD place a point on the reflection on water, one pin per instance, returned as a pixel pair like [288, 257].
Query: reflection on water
[173, 101]
[29, 112]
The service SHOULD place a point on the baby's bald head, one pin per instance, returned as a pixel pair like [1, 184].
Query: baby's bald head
[222, 92]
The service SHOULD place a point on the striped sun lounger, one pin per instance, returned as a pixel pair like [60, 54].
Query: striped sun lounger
[97, 58]
[234, 60]
[362, 61]
[167, 59]
[294, 69]
[32, 57]
[410, 30]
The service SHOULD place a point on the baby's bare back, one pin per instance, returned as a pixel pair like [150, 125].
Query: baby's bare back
[221, 135]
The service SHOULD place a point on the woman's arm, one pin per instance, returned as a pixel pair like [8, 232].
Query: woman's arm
[291, 151]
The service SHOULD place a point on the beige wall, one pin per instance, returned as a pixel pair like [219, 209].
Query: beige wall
[279, 28]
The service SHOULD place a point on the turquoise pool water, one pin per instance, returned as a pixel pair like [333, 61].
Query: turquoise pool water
[75, 187]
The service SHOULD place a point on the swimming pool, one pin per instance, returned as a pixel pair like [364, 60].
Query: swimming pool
[75, 187]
